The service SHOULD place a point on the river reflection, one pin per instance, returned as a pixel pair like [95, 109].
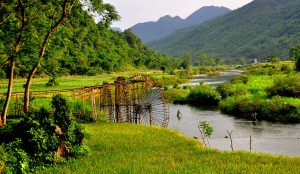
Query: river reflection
[273, 138]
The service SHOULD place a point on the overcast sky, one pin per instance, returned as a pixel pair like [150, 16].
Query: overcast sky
[138, 11]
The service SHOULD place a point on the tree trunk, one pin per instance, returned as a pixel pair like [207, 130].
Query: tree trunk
[27, 89]
[9, 92]
[42, 53]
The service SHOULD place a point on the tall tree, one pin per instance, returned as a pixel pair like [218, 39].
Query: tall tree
[295, 54]
[26, 28]
[186, 61]
[103, 13]
[14, 22]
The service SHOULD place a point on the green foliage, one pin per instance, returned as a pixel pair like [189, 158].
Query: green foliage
[269, 69]
[243, 78]
[62, 115]
[225, 90]
[206, 128]
[273, 97]
[274, 109]
[288, 86]
[205, 60]
[79, 46]
[42, 138]
[273, 59]
[3, 158]
[177, 96]
[186, 61]
[204, 95]
[18, 160]
[52, 82]
[295, 54]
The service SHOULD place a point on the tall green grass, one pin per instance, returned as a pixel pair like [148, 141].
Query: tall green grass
[126, 148]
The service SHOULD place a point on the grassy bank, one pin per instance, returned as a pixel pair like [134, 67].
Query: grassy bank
[125, 148]
[270, 90]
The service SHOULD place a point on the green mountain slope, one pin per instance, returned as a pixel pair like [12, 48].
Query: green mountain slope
[80, 46]
[257, 30]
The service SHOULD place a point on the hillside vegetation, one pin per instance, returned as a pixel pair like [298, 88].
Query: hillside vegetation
[257, 30]
[127, 148]
[82, 47]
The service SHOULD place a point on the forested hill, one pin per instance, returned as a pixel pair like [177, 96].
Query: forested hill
[80, 46]
[257, 30]
[166, 25]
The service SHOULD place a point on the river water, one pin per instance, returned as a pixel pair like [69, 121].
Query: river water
[271, 138]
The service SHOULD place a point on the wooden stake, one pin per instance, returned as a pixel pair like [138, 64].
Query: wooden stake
[231, 142]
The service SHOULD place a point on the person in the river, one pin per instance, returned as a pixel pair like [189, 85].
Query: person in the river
[179, 114]
[254, 116]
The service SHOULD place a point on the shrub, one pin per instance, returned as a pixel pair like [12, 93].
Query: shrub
[243, 78]
[288, 86]
[3, 158]
[52, 82]
[274, 109]
[204, 95]
[92, 72]
[18, 160]
[286, 68]
[43, 137]
[225, 90]
[176, 86]
[177, 96]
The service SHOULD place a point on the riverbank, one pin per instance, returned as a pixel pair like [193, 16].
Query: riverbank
[267, 91]
[127, 148]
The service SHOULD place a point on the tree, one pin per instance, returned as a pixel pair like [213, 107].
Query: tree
[204, 60]
[26, 28]
[14, 23]
[295, 54]
[206, 131]
[96, 8]
[186, 61]
[273, 59]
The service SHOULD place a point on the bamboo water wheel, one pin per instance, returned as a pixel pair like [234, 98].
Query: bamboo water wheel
[139, 100]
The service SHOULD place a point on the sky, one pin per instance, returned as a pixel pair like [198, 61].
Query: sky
[138, 11]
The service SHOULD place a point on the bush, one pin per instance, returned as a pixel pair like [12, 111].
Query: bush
[177, 96]
[3, 158]
[43, 137]
[52, 82]
[288, 86]
[274, 109]
[286, 69]
[225, 90]
[204, 95]
[240, 79]
[18, 160]
[92, 72]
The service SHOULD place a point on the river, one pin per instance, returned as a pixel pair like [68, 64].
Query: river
[270, 138]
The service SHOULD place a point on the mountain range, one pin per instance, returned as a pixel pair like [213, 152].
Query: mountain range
[256, 30]
[150, 31]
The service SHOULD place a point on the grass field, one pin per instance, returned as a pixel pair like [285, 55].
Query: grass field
[71, 82]
[127, 148]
